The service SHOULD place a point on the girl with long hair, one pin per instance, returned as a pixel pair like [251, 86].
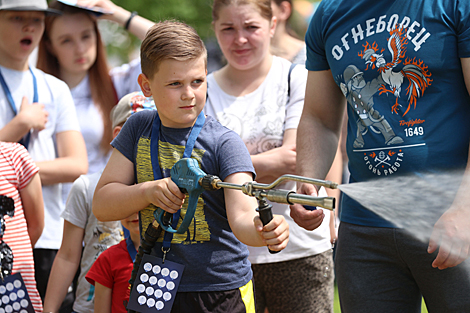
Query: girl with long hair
[72, 50]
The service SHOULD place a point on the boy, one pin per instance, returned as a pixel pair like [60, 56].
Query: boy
[112, 270]
[217, 273]
[82, 226]
[38, 110]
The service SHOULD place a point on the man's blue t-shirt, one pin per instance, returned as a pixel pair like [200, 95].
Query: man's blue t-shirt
[214, 258]
[398, 65]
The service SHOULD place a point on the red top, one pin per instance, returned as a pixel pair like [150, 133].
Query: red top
[113, 269]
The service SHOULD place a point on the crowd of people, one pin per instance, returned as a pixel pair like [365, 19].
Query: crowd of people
[86, 154]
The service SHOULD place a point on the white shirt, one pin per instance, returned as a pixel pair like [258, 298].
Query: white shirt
[260, 118]
[56, 97]
[90, 117]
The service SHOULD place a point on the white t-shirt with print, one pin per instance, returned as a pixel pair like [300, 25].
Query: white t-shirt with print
[260, 118]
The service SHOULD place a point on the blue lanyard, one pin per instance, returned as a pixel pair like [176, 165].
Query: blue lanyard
[25, 140]
[157, 174]
[131, 248]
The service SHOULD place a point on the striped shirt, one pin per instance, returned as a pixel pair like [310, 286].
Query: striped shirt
[16, 171]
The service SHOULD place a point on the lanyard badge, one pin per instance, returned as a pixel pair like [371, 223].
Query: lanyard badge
[155, 286]
[14, 297]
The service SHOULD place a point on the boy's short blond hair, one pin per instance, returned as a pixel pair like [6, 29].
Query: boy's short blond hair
[170, 40]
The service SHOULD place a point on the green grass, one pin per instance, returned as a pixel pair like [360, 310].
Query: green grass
[338, 310]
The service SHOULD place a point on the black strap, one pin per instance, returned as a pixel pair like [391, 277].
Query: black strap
[288, 78]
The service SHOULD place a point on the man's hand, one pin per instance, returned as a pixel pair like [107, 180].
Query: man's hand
[451, 236]
[33, 115]
[307, 219]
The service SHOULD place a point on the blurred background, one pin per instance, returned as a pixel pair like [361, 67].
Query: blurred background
[123, 47]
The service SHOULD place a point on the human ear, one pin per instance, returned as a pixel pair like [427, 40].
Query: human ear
[144, 84]
[116, 131]
[273, 26]
[286, 10]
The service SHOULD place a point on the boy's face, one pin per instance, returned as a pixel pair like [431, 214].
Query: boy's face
[20, 33]
[179, 91]
[132, 223]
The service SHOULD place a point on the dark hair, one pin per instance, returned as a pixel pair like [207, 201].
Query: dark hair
[101, 85]
[170, 40]
[264, 7]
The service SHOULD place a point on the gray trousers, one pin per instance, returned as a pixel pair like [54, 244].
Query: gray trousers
[304, 285]
[387, 270]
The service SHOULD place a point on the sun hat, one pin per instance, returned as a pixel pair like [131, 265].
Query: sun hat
[27, 5]
[129, 104]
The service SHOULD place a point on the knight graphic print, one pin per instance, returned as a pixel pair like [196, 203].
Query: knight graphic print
[406, 107]
[392, 76]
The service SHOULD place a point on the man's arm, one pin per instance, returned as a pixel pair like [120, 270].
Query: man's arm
[71, 162]
[317, 139]
[451, 233]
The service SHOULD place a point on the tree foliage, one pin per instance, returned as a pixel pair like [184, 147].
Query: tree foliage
[197, 13]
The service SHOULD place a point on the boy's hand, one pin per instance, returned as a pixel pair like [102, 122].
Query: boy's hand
[165, 194]
[275, 234]
[34, 115]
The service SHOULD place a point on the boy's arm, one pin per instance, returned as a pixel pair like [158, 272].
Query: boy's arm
[71, 162]
[103, 298]
[33, 207]
[30, 116]
[245, 222]
[64, 267]
[117, 196]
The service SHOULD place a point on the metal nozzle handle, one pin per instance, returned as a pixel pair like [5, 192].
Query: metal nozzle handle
[324, 202]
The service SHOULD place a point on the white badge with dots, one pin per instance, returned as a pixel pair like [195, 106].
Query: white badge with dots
[155, 285]
[14, 297]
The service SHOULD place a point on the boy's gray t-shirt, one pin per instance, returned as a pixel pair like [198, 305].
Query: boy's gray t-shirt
[214, 258]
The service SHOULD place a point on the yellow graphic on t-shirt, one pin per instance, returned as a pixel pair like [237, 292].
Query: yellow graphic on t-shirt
[168, 155]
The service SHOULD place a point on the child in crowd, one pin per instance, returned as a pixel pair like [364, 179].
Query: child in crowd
[112, 270]
[39, 110]
[82, 226]
[217, 274]
[72, 50]
[19, 180]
